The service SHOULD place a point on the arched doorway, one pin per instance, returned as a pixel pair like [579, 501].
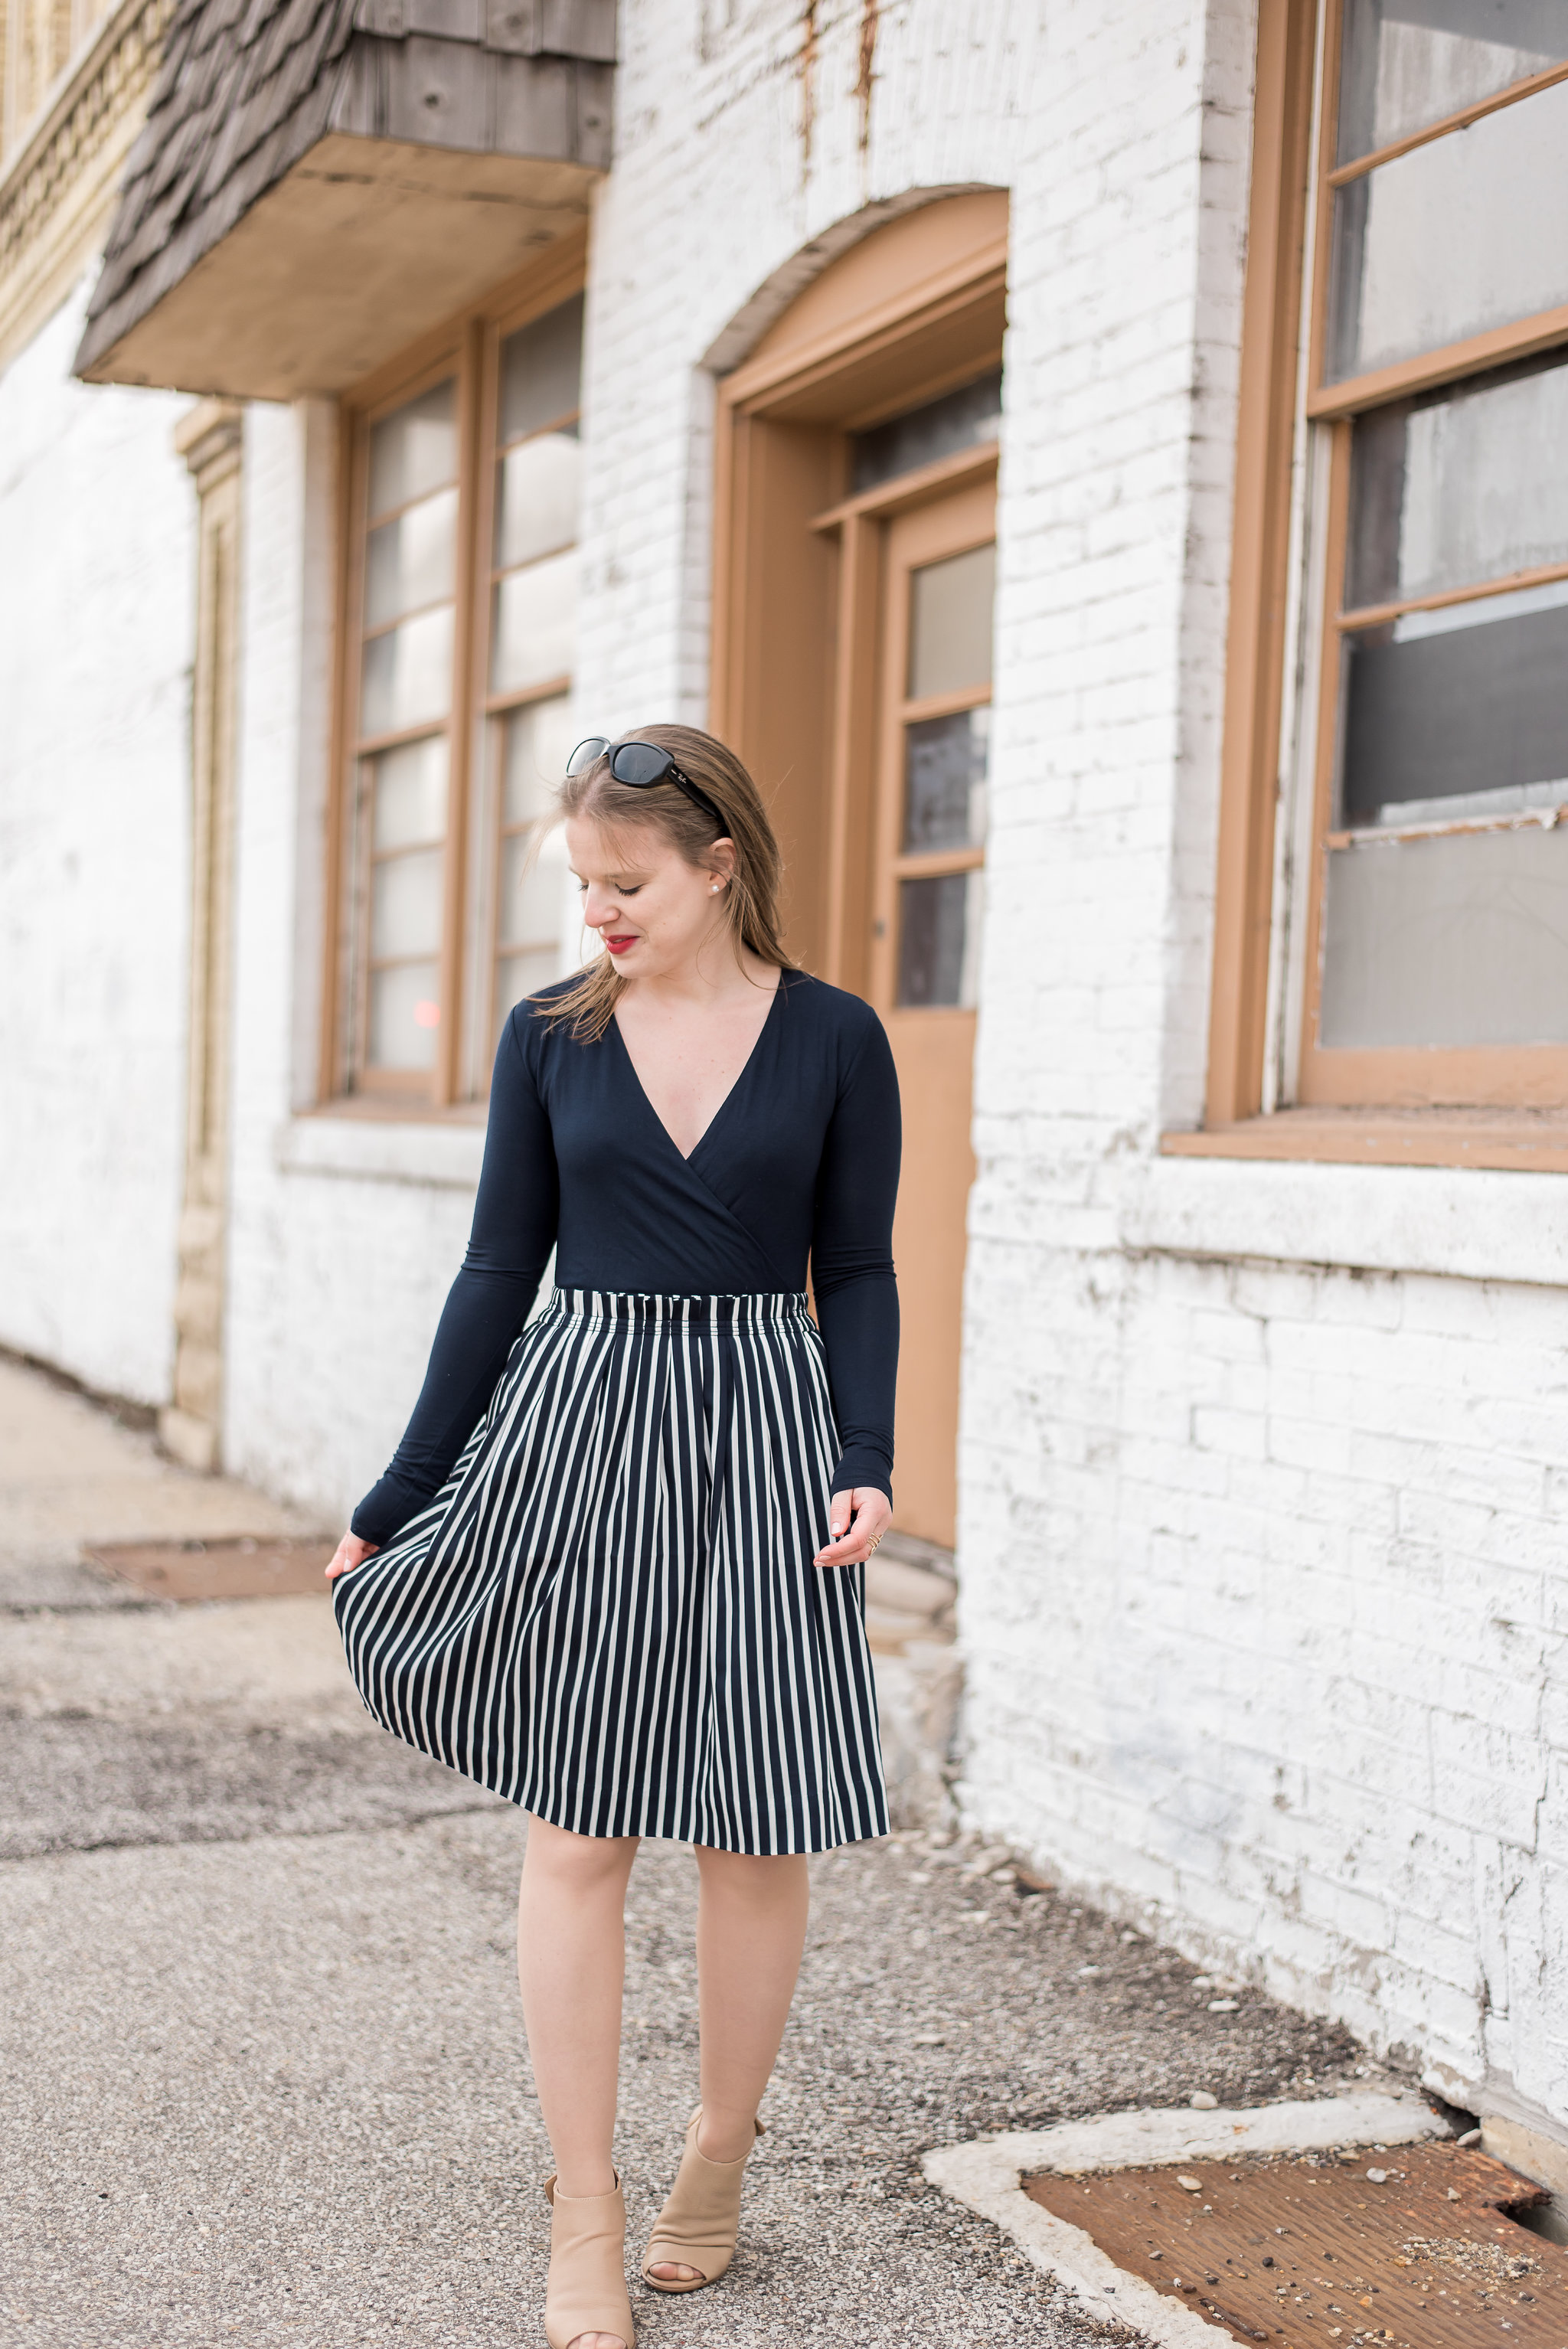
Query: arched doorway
[855, 563]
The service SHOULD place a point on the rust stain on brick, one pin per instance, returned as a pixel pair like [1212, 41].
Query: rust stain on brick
[192, 1570]
[871, 11]
[1311, 2251]
[808, 68]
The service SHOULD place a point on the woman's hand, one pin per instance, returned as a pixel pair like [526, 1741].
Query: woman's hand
[350, 1552]
[857, 1522]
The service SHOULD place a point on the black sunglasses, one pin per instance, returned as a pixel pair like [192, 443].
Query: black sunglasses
[642, 764]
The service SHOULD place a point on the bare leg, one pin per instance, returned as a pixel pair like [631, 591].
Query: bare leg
[571, 1958]
[750, 1930]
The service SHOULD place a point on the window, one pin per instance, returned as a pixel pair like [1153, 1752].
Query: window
[1427, 929]
[460, 619]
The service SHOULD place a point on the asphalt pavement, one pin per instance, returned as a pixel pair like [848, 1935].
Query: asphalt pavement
[263, 2076]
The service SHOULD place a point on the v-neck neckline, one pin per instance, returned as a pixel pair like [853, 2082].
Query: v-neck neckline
[687, 1156]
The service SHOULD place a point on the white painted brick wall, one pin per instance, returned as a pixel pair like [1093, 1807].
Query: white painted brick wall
[1262, 1578]
[1264, 1468]
[96, 583]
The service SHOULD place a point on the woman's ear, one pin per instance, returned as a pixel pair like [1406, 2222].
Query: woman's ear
[720, 861]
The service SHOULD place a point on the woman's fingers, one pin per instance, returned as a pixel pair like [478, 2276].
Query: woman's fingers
[856, 1523]
[350, 1552]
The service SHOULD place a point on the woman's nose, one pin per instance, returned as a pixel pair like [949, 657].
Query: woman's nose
[598, 907]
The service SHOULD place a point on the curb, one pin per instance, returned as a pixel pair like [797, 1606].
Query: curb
[986, 2178]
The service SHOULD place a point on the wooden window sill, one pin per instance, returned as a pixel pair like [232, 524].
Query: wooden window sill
[400, 1109]
[385, 1141]
[1526, 1140]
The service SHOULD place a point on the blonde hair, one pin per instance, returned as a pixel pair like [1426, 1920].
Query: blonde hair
[751, 895]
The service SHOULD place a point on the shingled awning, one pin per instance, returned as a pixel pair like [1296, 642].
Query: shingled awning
[321, 180]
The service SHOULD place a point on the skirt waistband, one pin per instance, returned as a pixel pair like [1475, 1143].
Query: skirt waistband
[642, 1311]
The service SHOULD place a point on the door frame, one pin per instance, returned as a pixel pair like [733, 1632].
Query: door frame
[916, 307]
[798, 689]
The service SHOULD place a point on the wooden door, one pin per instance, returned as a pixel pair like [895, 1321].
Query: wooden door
[926, 879]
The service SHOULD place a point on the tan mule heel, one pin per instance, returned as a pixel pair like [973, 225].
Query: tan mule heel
[698, 2224]
[587, 2287]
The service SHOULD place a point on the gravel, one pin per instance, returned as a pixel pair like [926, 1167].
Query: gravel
[276, 2091]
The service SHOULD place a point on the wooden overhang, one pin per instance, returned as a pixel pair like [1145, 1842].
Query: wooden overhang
[320, 181]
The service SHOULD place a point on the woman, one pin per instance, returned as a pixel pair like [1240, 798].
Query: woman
[617, 1560]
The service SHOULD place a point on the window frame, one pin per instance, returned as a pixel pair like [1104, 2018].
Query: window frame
[467, 346]
[1504, 1106]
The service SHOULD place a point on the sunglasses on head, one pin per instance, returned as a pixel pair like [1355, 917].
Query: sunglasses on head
[643, 765]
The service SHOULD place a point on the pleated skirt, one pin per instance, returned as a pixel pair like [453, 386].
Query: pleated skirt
[609, 1614]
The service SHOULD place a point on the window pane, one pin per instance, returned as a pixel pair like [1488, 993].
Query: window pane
[405, 904]
[408, 562]
[533, 632]
[541, 371]
[944, 781]
[1450, 239]
[404, 1016]
[408, 677]
[528, 912]
[536, 498]
[959, 420]
[1407, 63]
[939, 940]
[1460, 486]
[1456, 941]
[1469, 698]
[415, 449]
[536, 742]
[517, 975]
[950, 624]
[409, 793]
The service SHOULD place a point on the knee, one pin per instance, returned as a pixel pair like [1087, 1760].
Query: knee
[759, 1882]
[580, 1863]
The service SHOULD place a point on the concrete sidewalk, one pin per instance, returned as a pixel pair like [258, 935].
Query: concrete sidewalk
[262, 2075]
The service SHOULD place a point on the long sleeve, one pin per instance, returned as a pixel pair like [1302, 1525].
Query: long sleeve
[852, 1262]
[514, 1227]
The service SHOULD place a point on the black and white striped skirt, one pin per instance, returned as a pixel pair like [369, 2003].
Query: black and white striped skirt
[609, 1615]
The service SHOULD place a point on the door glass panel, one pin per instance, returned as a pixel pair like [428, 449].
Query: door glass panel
[1454, 941]
[529, 913]
[541, 371]
[415, 449]
[405, 904]
[950, 624]
[944, 780]
[1450, 240]
[536, 498]
[1460, 486]
[1470, 701]
[534, 627]
[408, 794]
[517, 975]
[408, 674]
[404, 1016]
[941, 427]
[536, 742]
[939, 940]
[1408, 62]
[408, 562]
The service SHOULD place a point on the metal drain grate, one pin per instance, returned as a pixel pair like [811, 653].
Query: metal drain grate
[1310, 2249]
[264, 1567]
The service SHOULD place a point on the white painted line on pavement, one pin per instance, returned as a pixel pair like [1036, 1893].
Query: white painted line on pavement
[986, 2178]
